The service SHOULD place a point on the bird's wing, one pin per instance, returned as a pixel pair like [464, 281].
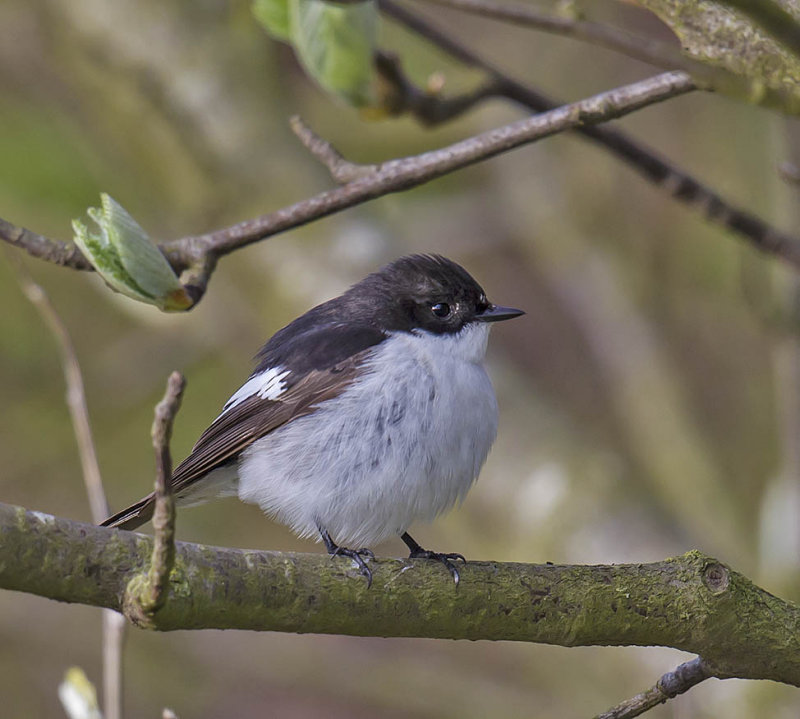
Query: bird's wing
[297, 382]
[251, 418]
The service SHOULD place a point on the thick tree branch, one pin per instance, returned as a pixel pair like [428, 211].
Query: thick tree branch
[654, 168]
[673, 683]
[691, 602]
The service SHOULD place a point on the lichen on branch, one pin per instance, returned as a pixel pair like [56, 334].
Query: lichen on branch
[693, 602]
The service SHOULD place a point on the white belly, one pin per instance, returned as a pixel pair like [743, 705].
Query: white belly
[402, 444]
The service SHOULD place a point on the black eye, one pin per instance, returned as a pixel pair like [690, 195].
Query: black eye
[441, 309]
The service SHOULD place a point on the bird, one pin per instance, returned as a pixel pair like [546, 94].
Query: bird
[369, 412]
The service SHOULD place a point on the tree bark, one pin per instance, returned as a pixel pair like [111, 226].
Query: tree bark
[692, 602]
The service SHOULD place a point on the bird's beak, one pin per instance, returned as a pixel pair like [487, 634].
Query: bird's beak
[495, 313]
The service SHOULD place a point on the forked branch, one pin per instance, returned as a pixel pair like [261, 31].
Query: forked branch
[671, 684]
[199, 253]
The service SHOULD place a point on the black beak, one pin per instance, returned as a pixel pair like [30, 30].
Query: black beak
[495, 313]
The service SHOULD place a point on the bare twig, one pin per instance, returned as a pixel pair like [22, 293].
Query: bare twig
[400, 174]
[113, 628]
[59, 253]
[76, 396]
[342, 170]
[164, 513]
[198, 254]
[654, 168]
[669, 686]
[146, 593]
[708, 76]
[114, 631]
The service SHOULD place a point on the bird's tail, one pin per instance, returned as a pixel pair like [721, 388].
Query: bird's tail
[134, 516]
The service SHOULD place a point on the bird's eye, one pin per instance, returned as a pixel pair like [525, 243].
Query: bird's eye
[482, 305]
[441, 309]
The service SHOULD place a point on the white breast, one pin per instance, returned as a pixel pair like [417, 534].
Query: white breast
[402, 443]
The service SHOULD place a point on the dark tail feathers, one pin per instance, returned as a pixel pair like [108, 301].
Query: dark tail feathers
[132, 517]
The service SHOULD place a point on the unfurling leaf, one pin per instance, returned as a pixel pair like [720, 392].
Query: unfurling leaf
[127, 259]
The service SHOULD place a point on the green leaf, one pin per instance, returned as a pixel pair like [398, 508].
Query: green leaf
[274, 16]
[127, 259]
[336, 43]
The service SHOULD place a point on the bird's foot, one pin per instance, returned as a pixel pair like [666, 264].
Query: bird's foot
[357, 555]
[446, 558]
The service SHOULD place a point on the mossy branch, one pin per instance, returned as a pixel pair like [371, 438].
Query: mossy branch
[692, 602]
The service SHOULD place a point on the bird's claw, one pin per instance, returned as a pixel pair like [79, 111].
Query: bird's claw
[446, 558]
[357, 555]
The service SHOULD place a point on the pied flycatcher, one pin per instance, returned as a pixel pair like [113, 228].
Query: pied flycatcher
[367, 413]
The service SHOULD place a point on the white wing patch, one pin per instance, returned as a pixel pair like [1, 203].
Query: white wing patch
[268, 384]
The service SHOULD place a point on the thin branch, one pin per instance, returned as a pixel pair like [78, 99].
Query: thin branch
[654, 168]
[652, 52]
[43, 248]
[401, 174]
[670, 685]
[164, 512]
[342, 170]
[113, 628]
[114, 633]
[707, 76]
[689, 602]
[398, 95]
[146, 594]
[76, 396]
[196, 256]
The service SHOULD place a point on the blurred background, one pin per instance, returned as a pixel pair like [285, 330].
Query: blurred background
[649, 398]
